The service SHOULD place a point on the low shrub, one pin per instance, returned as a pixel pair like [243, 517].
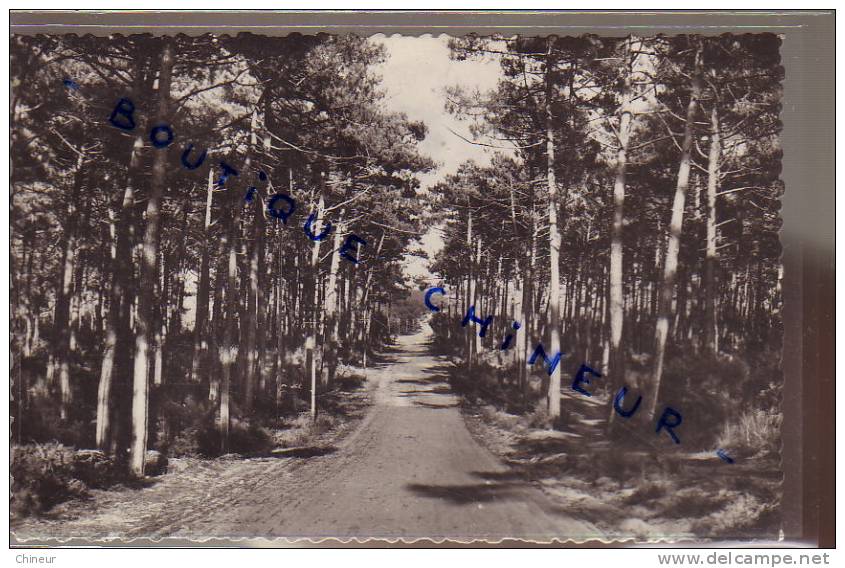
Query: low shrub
[708, 390]
[185, 443]
[155, 463]
[646, 493]
[623, 466]
[752, 433]
[350, 382]
[324, 423]
[96, 469]
[538, 418]
[302, 431]
[45, 475]
[41, 423]
[742, 514]
[695, 502]
[42, 477]
[245, 438]
[500, 418]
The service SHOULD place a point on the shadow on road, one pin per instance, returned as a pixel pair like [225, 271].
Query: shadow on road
[496, 487]
[467, 494]
[436, 406]
[310, 452]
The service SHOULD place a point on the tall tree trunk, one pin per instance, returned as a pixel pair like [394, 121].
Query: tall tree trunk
[149, 259]
[228, 348]
[109, 406]
[711, 330]
[616, 302]
[670, 263]
[31, 336]
[200, 345]
[346, 321]
[332, 306]
[313, 325]
[553, 395]
[480, 310]
[250, 352]
[367, 311]
[281, 328]
[78, 281]
[261, 309]
[174, 319]
[471, 284]
[216, 324]
[162, 308]
[523, 305]
[61, 321]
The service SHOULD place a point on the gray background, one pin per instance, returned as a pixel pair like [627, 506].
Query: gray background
[807, 236]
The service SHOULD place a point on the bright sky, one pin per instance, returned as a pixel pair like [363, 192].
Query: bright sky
[415, 76]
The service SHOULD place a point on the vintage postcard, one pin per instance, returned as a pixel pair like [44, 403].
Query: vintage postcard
[471, 288]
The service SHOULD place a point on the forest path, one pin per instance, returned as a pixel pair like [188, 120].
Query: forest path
[410, 470]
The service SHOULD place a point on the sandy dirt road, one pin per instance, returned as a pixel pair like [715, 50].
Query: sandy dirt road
[410, 470]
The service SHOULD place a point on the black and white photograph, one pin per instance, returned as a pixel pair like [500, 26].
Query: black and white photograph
[400, 287]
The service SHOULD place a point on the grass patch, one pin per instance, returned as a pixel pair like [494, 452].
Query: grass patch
[753, 433]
